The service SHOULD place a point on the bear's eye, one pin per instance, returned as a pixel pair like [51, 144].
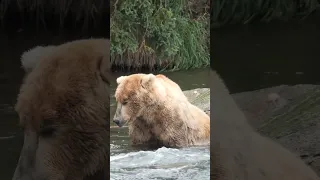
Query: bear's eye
[47, 131]
[22, 127]
[124, 102]
[47, 128]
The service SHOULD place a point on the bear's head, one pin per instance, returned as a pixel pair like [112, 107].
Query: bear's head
[135, 94]
[63, 107]
[31, 58]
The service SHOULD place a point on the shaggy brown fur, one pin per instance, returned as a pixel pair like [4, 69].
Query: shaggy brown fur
[64, 109]
[239, 152]
[140, 133]
[172, 120]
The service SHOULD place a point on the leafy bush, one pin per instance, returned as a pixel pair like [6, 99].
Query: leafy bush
[159, 34]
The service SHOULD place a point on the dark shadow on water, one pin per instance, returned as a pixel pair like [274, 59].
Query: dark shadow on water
[257, 56]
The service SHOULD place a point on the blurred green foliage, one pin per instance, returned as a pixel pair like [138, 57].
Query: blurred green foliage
[161, 34]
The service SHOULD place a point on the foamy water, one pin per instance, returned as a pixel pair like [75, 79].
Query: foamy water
[163, 163]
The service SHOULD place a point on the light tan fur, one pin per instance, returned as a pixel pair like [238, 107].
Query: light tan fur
[64, 109]
[140, 133]
[239, 152]
[172, 120]
[172, 87]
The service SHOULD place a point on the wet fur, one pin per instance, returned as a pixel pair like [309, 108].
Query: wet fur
[140, 133]
[164, 112]
[67, 92]
[239, 152]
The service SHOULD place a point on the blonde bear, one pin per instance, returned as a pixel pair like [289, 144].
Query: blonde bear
[147, 102]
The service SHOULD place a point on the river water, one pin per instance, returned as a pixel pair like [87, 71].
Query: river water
[163, 163]
[256, 56]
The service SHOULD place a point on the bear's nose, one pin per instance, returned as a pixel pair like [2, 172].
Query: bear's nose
[117, 122]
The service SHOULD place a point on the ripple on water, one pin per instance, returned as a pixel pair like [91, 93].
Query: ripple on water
[164, 163]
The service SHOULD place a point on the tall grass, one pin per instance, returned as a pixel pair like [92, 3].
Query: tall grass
[247, 11]
[158, 34]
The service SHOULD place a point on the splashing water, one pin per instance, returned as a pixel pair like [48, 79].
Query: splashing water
[162, 164]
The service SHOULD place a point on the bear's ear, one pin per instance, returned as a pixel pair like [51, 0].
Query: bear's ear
[121, 79]
[104, 67]
[150, 82]
[104, 63]
[31, 58]
[149, 78]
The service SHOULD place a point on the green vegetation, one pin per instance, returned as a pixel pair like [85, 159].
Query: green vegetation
[247, 11]
[159, 34]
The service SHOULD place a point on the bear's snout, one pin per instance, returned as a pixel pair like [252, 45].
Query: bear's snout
[118, 122]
